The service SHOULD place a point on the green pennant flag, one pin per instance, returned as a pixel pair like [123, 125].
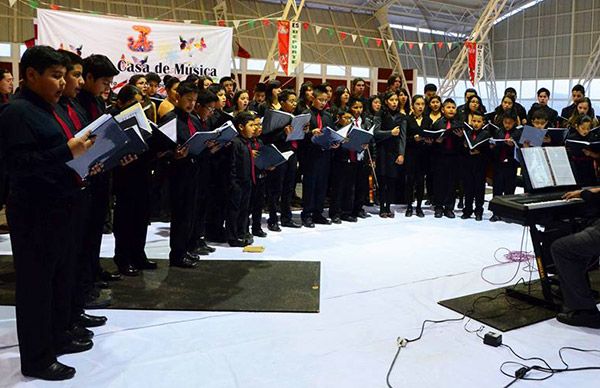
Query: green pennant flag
[400, 44]
[366, 39]
[330, 31]
[251, 23]
[205, 22]
[430, 45]
[34, 4]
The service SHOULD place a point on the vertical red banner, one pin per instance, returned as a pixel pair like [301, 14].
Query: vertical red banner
[472, 55]
[283, 35]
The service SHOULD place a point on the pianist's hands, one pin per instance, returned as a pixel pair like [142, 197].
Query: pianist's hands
[572, 194]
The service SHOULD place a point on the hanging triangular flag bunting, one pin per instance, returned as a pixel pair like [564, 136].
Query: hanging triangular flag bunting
[378, 41]
[34, 4]
[54, 7]
[205, 22]
[430, 45]
[449, 45]
[411, 45]
[318, 29]
[390, 42]
[440, 44]
[221, 23]
[400, 44]
[420, 46]
[266, 22]
[305, 25]
[330, 31]
[187, 21]
[366, 39]
[251, 23]
[12, 2]
[354, 38]
[236, 24]
[343, 35]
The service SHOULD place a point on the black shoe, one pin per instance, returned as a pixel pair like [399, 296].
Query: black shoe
[478, 216]
[80, 333]
[581, 318]
[274, 227]
[420, 213]
[290, 224]
[55, 372]
[466, 215]
[202, 244]
[409, 212]
[391, 214]
[200, 251]
[102, 285]
[237, 243]
[362, 214]
[109, 276]
[449, 213]
[259, 233]
[147, 265]
[86, 320]
[128, 270]
[308, 223]
[98, 302]
[334, 220]
[248, 238]
[461, 204]
[186, 262]
[321, 220]
[74, 346]
[494, 218]
[439, 212]
[348, 218]
[383, 214]
[427, 202]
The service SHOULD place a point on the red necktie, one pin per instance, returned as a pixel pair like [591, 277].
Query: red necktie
[94, 111]
[319, 120]
[191, 126]
[65, 127]
[252, 163]
[74, 117]
[474, 135]
[448, 140]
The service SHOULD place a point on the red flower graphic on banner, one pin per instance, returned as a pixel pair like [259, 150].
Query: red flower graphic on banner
[142, 43]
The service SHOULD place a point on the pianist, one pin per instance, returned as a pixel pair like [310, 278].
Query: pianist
[572, 255]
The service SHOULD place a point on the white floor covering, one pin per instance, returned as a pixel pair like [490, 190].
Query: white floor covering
[379, 280]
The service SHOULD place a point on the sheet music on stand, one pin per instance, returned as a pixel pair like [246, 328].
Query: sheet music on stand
[547, 167]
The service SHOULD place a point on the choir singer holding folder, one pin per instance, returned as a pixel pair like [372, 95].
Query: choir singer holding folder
[36, 145]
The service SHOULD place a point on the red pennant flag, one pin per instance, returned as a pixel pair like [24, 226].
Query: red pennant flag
[241, 52]
[378, 41]
[305, 25]
[343, 35]
[440, 44]
[54, 7]
[266, 22]
[221, 23]
[411, 45]
[29, 43]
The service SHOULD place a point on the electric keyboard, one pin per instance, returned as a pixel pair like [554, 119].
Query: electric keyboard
[536, 209]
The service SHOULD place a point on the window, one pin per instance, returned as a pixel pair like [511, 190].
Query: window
[312, 68]
[336, 70]
[23, 48]
[528, 90]
[362, 72]
[256, 64]
[236, 62]
[5, 50]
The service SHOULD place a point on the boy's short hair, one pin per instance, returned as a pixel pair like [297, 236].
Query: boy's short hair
[243, 118]
[170, 82]
[510, 114]
[354, 100]
[539, 114]
[449, 101]
[153, 77]
[72, 59]
[543, 90]
[99, 66]
[260, 87]
[430, 88]
[285, 94]
[578, 88]
[318, 90]
[225, 79]
[215, 88]
[470, 90]
[510, 90]
[41, 58]
[478, 113]
[205, 97]
[187, 87]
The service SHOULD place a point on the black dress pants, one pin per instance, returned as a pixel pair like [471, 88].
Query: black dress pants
[183, 185]
[474, 182]
[281, 186]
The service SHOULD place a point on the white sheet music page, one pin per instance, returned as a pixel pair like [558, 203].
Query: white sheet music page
[537, 167]
[560, 165]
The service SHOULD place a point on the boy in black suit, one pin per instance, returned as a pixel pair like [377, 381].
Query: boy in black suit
[475, 163]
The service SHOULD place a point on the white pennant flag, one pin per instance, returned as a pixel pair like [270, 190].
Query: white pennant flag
[421, 46]
[449, 45]
[236, 24]
[187, 21]
[390, 42]
[353, 37]
[12, 2]
[318, 29]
